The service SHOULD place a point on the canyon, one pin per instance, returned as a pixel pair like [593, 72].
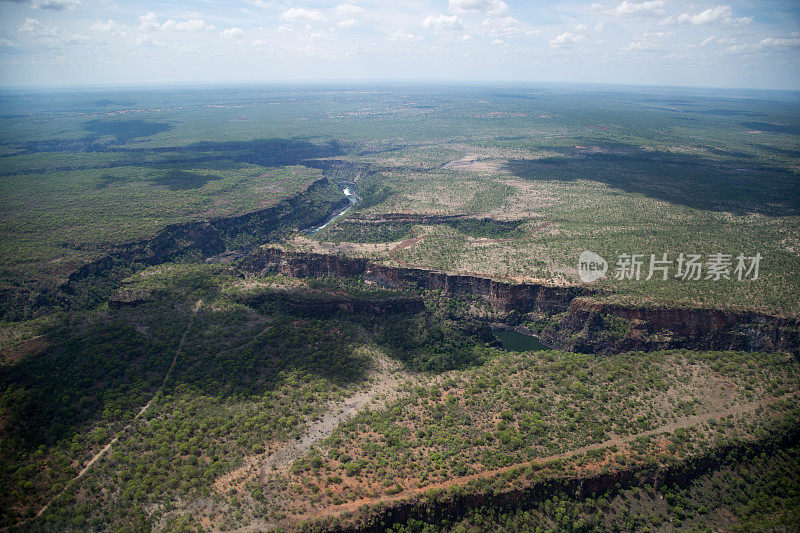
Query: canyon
[575, 318]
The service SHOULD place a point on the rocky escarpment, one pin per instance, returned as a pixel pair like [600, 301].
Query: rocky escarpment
[565, 317]
[341, 170]
[504, 296]
[596, 327]
[95, 281]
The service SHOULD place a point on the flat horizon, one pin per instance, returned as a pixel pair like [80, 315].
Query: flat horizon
[385, 82]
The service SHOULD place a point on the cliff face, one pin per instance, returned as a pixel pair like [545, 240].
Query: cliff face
[506, 297]
[590, 326]
[302, 265]
[574, 323]
[173, 240]
[100, 278]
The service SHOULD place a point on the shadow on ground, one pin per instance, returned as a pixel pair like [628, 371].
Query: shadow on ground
[739, 187]
[123, 130]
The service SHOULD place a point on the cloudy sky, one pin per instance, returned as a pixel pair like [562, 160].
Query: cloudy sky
[745, 43]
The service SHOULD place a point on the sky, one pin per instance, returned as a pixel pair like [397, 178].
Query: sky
[745, 44]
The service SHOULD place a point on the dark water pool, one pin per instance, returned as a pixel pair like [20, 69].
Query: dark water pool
[518, 342]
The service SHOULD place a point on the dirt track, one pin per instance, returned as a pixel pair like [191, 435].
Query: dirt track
[385, 379]
[141, 412]
[681, 423]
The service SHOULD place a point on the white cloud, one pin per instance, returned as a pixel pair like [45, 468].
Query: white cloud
[775, 44]
[653, 41]
[108, 26]
[348, 10]
[403, 36]
[567, 39]
[486, 7]
[780, 42]
[707, 16]
[711, 15]
[192, 25]
[146, 40]
[50, 35]
[507, 27]
[300, 14]
[650, 7]
[150, 22]
[36, 28]
[643, 45]
[443, 22]
[232, 33]
[456, 38]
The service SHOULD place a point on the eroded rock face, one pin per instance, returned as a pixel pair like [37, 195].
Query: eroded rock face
[574, 320]
[201, 237]
[267, 260]
[504, 296]
[206, 239]
[592, 326]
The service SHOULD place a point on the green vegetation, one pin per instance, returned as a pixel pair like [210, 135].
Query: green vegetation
[354, 231]
[252, 373]
[734, 498]
[236, 368]
[633, 408]
[228, 398]
[431, 343]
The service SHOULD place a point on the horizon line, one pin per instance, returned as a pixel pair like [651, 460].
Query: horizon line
[377, 82]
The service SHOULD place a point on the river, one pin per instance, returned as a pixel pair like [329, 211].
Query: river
[518, 342]
[353, 201]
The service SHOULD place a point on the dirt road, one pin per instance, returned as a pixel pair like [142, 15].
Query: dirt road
[141, 412]
[386, 376]
[681, 423]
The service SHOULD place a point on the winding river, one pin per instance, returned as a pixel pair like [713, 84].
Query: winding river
[336, 216]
